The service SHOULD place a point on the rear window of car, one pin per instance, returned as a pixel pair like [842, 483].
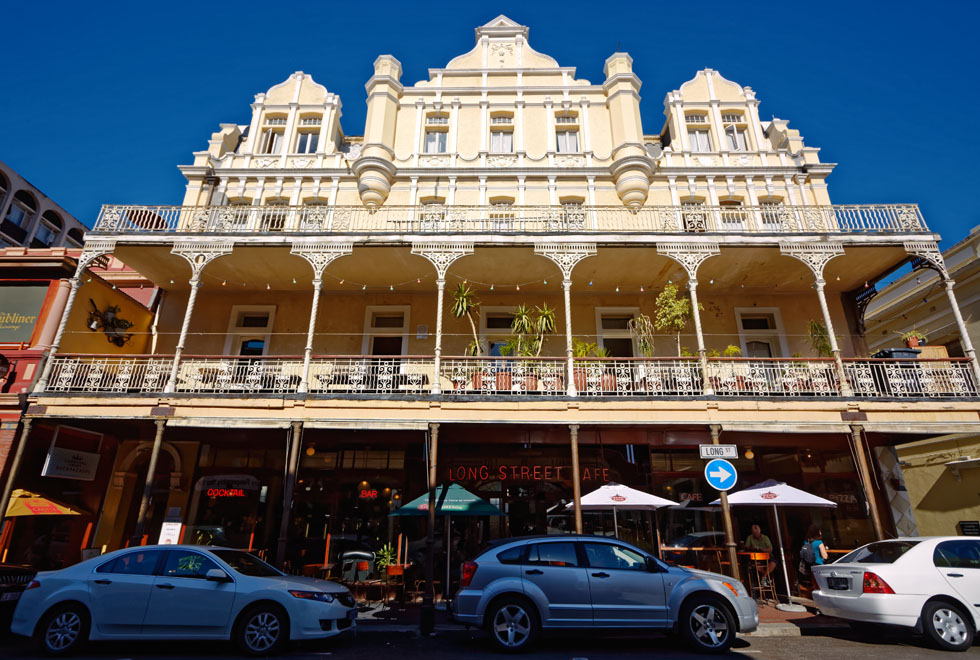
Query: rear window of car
[142, 562]
[882, 552]
[511, 555]
[957, 554]
[552, 554]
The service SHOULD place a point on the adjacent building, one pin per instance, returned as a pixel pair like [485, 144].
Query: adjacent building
[940, 473]
[337, 314]
[28, 218]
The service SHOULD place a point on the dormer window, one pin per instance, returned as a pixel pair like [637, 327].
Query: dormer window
[273, 128]
[735, 131]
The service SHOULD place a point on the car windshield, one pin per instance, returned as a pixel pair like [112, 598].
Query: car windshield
[882, 552]
[246, 564]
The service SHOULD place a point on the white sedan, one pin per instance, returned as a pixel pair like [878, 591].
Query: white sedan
[931, 584]
[180, 592]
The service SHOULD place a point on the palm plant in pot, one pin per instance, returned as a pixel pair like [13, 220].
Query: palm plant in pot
[528, 333]
[642, 333]
[465, 304]
[913, 338]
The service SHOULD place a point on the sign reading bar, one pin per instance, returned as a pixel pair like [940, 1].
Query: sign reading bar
[718, 451]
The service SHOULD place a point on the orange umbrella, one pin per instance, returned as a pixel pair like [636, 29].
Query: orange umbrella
[25, 503]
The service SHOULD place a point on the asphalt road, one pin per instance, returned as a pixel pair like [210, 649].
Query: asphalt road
[455, 645]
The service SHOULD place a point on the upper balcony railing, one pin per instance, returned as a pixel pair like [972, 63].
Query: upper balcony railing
[493, 377]
[438, 219]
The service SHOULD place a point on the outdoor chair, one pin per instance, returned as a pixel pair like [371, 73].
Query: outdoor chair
[758, 561]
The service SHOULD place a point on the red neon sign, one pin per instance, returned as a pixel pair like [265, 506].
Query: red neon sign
[367, 494]
[226, 492]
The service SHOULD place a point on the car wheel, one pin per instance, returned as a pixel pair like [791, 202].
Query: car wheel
[947, 627]
[262, 630]
[63, 629]
[707, 625]
[513, 624]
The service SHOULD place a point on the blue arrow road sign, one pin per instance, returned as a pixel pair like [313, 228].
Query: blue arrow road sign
[721, 474]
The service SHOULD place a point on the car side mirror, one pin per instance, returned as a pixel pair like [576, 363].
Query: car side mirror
[653, 566]
[217, 575]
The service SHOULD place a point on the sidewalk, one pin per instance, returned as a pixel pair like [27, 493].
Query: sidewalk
[772, 622]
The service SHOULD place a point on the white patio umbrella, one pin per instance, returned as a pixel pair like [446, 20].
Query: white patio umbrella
[775, 494]
[619, 497]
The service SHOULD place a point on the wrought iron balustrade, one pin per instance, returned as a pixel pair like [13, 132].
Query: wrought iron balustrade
[440, 219]
[516, 376]
[101, 373]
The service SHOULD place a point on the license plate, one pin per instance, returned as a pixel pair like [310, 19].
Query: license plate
[838, 583]
[13, 595]
[352, 614]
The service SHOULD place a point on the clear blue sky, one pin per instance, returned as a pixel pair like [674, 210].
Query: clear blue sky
[102, 101]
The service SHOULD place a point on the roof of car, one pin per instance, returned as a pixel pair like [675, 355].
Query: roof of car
[549, 537]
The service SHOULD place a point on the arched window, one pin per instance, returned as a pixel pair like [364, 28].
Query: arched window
[75, 237]
[47, 230]
[19, 216]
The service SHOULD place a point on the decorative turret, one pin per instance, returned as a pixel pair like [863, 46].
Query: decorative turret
[375, 167]
[631, 166]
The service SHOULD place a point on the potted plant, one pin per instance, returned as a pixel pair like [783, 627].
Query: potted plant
[913, 338]
[582, 349]
[673, 312]
[464, 303]
[528, 333]
[608, 379]
[819, 339]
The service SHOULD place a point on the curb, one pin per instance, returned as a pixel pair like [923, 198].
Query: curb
[792, 630]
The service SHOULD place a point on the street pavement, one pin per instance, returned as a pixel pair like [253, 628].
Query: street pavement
[456, 644]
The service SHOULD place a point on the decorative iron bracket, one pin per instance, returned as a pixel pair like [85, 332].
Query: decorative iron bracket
[928, 251]
[199, 255]
[320, 255]
[815, 255]
[689, 255]
[442, 255]
[565, 255]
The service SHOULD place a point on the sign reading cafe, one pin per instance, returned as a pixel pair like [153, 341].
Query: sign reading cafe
[523, 473]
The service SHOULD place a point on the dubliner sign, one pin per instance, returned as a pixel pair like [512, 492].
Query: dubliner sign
[523, 473]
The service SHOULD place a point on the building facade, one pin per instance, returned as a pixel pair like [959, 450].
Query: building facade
[940, 473]
[338, 316]
[28, 218]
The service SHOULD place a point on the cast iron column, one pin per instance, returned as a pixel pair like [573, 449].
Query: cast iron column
[576, 478]
[865, 472]
[148, 486]
[428, 614]
[295, 440]
[726, 513]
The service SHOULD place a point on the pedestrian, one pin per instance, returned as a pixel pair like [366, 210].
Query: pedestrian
[813, 553]
[759, 542]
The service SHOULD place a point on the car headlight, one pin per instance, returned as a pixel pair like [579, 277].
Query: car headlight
[736, 588]
[313, 595]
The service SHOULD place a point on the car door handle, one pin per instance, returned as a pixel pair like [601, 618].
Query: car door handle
[164, 586]
[955, 574]
[103, 581]
[600, 575]
[534, 571]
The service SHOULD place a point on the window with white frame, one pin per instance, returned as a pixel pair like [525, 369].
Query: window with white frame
[567, 141]
[772, 212]
[760, 331]
[435, 141]
[311, 121]
[20, 215]
[275, 214]
[272, 135]
[501, 142]
[612, 330]
[696, 118]
[495, 331]
[700, 140]
[437, 119]
[732, 214]
[250, 330]
[306, 142]
[386, 330]
[501, 214]
[735, 135]
[731, 118]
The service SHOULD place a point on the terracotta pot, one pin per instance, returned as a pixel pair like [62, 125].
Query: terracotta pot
[580, 379]
[912, 342]
[504, 381]
[608, 382]
[530, 383]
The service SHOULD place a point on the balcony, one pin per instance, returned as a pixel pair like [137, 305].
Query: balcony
[489, 378]
[476, 220]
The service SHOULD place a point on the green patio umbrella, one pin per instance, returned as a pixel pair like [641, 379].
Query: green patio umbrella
[453, 500]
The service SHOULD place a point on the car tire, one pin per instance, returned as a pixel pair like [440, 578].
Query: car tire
[261, 630]
[63, 630]
[513, 624]
[707, 624]
[947, 627]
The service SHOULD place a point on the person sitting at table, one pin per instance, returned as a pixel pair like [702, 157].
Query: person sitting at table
[759, 542]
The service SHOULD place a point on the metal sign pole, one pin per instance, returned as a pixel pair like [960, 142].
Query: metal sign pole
[726, 514]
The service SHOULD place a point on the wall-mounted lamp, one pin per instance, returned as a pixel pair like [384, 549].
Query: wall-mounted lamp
[749, 454]
[109, 322]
